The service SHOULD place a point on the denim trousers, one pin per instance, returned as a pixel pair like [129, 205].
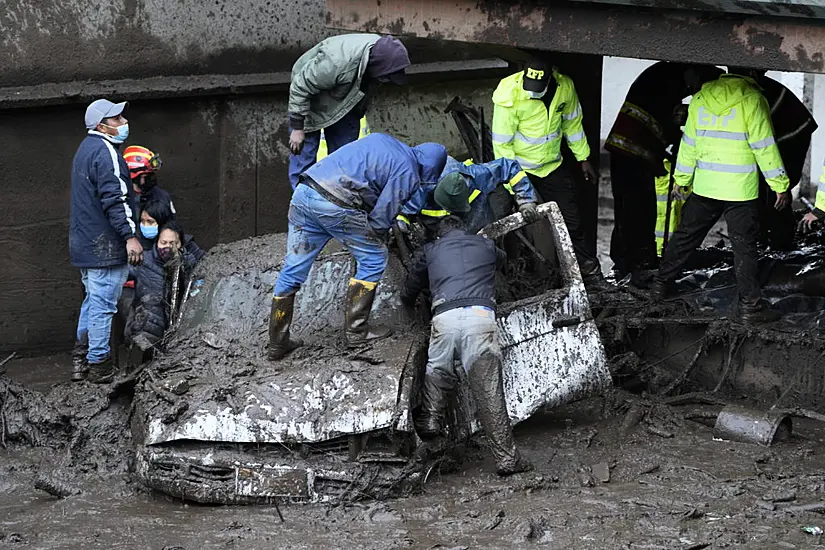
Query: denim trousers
[468, 333]
[103, 287]
[313, 221]
[339, 134]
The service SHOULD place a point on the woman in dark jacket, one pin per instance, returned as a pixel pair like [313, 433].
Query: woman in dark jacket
[155, 292]
[156, 214]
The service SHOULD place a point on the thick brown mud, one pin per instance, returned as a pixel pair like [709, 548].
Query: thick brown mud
[601, 481]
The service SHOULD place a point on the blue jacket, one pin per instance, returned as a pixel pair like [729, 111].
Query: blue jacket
[103, 205]
[483, 178]
[378, 174]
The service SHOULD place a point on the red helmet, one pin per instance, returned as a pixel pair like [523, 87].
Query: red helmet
[141, 160]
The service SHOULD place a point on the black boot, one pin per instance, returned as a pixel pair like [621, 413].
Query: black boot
[487, 388]
[430, 421]
[658, 290]
[80, 366]
[752, 314]
[280, 319]
[360, 296]
[593, 277]
[103, 372]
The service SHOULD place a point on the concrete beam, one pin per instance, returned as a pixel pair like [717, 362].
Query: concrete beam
[785, 8]
[771, 43]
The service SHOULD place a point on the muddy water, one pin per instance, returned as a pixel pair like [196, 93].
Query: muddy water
[594, 487]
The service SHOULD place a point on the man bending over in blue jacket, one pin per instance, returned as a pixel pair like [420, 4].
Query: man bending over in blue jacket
[459, 267]
[352, 196]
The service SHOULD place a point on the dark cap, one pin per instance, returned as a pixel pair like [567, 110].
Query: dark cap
[452, 193]
[536, 76]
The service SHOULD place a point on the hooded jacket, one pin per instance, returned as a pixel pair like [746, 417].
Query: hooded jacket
[103, 205]
[327, 80]
[728, 138]
[378, 174]
[530, 131]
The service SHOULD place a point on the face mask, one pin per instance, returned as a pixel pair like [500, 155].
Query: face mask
[166, 254]
[149, 231]
[537, 95]
[122, 133]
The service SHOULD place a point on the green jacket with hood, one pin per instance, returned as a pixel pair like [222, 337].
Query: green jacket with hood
[326, 80]
[727, 139]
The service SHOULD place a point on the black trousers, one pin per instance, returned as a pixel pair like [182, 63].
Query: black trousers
[633, 241]
[559, 187]
[777, 227]
[698, 217]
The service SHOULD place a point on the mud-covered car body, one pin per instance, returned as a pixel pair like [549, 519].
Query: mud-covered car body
[216, 422]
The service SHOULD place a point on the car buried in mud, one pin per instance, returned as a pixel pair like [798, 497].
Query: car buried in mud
[215, 422]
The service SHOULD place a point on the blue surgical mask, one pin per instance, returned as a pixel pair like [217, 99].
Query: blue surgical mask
[122, 133]
[149, 231]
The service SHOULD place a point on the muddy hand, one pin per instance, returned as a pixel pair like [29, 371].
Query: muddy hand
[806, 223]
[590, 175]
[782, 200]
[296, 141]
[134, 251]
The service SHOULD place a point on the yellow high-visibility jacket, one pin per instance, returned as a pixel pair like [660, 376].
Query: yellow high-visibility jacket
[820, 196]
[526, 130]
[727, 138]
[662, 187]
[322, 146]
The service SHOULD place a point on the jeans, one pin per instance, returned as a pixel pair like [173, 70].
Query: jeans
[339, 134]
[313, 221]
[103, 287]
[698, 217]
[465, 332]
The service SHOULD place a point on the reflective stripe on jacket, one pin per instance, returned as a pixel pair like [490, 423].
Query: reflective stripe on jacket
[728, 138]
[322, 145]
[528, 131]
[662, 186]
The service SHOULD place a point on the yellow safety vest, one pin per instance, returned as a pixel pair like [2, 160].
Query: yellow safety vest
[322, 146]
[528, 131]
[662, 185]
[728, 138]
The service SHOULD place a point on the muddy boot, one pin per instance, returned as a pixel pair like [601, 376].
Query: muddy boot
[658, 290]
[280, 318]
[103, 372]
[429, 423]
[593, 277]
[360, 296]
[80, 366]
[753, 314]
[487, 388]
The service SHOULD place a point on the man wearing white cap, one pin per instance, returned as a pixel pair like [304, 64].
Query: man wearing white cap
[102, 235]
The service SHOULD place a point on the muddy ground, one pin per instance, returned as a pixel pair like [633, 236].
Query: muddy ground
[597, 484]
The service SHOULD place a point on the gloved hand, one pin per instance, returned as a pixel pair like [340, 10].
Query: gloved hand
[296, 141]
[806, 223]
[529, 211]
[403, 226]
[679, 193]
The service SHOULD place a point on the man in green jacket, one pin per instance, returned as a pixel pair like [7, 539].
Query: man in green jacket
[728, 139]
[331, 88]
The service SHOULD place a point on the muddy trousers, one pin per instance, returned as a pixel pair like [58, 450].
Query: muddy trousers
[313, 221]
[633, 241]
[103, 287]
[777, 227]
[698, 217]
[469, 333]
[559, 187]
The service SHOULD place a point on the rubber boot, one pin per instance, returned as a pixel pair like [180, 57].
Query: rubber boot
[658, 290]
[280, 319]
[752, 314]
[103, 372]
[487, 388]
[360, 296]
[80, 365]
[430, 421]
[593, 277]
